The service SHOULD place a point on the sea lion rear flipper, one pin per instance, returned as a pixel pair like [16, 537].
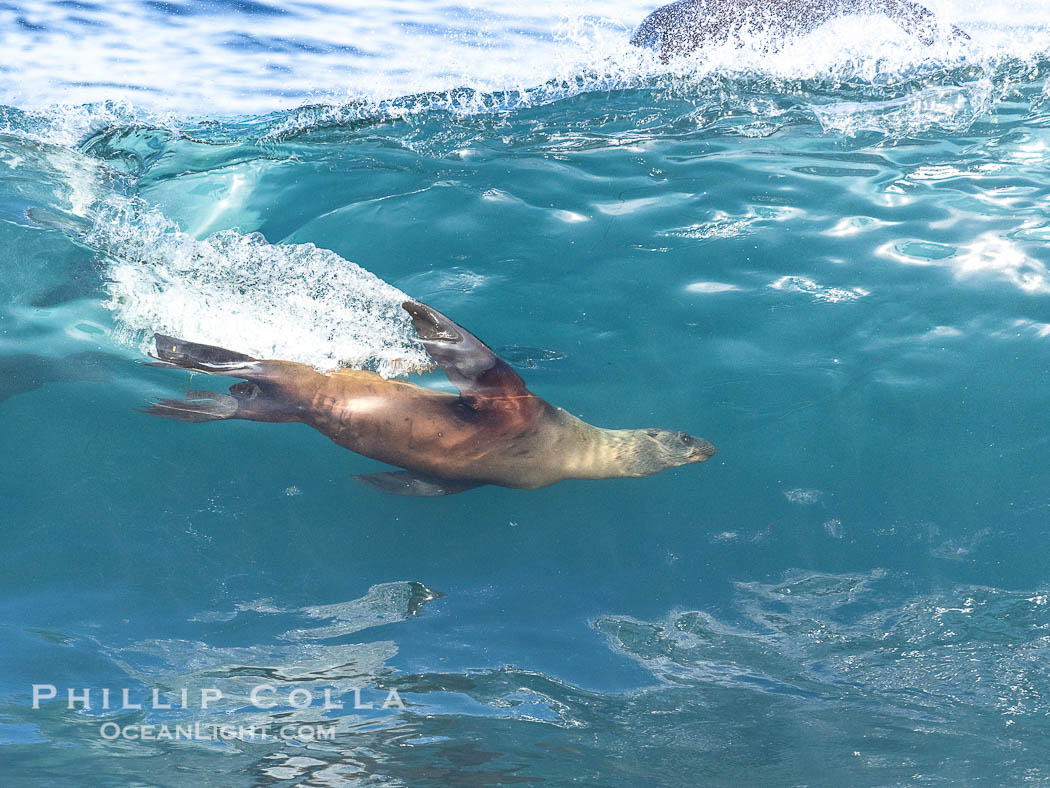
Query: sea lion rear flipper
[201, 358]
[468, 362]
[414, 484]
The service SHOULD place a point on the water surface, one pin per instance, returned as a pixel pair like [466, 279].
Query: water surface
[831, 263]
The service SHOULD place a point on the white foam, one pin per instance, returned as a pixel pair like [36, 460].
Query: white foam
[854, 225]
[711, 287]
[988, 256]
[293, 302]
[947, 108]
[831, 295]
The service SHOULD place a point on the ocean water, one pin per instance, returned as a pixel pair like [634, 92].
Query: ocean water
[830, 260]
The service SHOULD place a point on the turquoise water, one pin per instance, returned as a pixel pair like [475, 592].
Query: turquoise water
[837, 274]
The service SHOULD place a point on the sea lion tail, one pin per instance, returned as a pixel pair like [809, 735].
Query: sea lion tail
[259, 397]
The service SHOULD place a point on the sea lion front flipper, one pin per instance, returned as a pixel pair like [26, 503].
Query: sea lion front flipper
[197, 407]
[415, 484]
[468, 362]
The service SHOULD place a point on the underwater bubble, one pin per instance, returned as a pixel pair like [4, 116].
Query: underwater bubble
[295, 302]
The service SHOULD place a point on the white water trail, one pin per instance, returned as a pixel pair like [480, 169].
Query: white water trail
[294, 302]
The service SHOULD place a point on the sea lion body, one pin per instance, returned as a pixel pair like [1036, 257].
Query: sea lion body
[522, 442]
[494, 432]
[430, 431]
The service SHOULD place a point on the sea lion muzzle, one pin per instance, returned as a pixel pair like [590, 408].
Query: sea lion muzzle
[703, 450]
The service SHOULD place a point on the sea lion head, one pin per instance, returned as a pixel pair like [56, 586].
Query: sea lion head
[658, 449]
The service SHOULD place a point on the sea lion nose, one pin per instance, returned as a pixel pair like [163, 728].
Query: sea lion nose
[704, 450]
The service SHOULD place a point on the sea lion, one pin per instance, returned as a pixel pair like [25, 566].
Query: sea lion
[682, 27]
[494, 432]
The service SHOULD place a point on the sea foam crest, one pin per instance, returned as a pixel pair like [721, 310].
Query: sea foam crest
[852, 74]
